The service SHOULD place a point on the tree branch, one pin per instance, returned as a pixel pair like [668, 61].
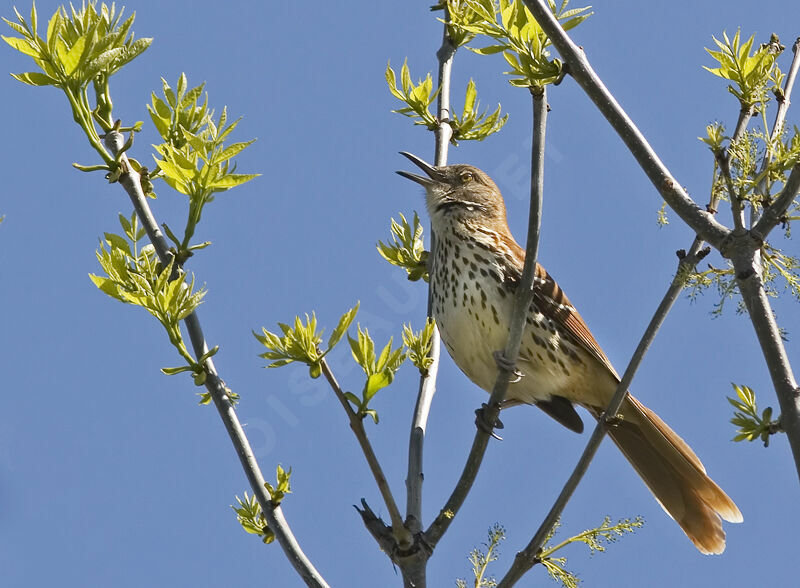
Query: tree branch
[773, 215]
[522, 303]
[527, 558]
[749, 279]
[427, 383]
[784, 101]
[401, 534]
[701, 221]
[131, 182]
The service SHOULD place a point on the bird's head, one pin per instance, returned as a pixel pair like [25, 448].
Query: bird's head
[458, 193]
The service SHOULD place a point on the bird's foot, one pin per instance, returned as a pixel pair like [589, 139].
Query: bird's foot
[502, 362]
[482, 422]
[613, 420]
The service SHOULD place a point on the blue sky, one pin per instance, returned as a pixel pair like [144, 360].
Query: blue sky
[110, 474]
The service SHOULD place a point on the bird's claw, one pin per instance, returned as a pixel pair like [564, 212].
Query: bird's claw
[503, 363]
[482, 422]
[613, 420]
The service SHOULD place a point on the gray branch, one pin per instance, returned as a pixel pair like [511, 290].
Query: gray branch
[522, 303]
[526, 558]
[701, 221]
[784, 101]
[427, 384]
[131, 182]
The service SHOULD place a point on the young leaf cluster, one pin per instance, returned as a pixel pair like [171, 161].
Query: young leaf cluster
[460, 16]
[474, 126]
[282, 487]
[379, 370]
[596, 539]
[752, 425]
[750, 74]
[301, 342]
[417, 97]
[80, 47]
[471, 125]
[752, 169]
[419, 345]
[193, 159]
[518, 36]
[249, 514]
[406, 249]
[134, 275]
[252, 520]
[480, 559]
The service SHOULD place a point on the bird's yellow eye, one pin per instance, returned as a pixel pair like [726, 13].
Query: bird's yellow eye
[467, 177]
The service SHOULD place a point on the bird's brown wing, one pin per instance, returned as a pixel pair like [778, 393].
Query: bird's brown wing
[551, 301]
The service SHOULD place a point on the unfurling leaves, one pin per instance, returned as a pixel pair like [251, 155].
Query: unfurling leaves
[134, 275]
[379, 370]
[406, 249]
[752, 425]
[471, 126]
[251, 518]
[194, 159]
[419, 345]
[249, 514]
[518, 36]
[78, 46]
[750, 73]
[301, 342]
[417, 97]
[282, 486]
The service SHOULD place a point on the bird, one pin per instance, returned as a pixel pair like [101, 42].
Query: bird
[476, 266]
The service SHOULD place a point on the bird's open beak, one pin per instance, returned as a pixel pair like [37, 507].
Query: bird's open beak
[434, 175]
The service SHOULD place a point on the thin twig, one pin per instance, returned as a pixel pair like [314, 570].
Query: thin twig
[701, 221]
[131, 182]
[777, 127]
[526, 558]
[774, 214]
[427, 383]
[769, 337]
[522, 303]
[736, 203]
[402, 535]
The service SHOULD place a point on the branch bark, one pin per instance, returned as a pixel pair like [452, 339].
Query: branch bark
[784, 102]
[522, 303]
[131, 182]
[427, 384]
[526, 558]
[701, 221]
[749, 280]
[401, 534]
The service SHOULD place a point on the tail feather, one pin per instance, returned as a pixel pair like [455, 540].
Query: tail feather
[675, 475]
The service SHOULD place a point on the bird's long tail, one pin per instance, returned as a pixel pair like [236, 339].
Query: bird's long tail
[675, 476]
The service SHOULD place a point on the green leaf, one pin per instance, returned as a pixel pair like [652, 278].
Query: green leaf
[341, 328]
[490, 50]
[176, 370]
[376, 382]
[35, 78]
[232, 180]
[73, 57]
[22, 45]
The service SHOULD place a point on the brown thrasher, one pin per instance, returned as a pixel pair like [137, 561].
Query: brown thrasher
[476, 267]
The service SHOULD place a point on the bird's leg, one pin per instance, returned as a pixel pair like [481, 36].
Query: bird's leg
[482, 422]
[502, 362]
